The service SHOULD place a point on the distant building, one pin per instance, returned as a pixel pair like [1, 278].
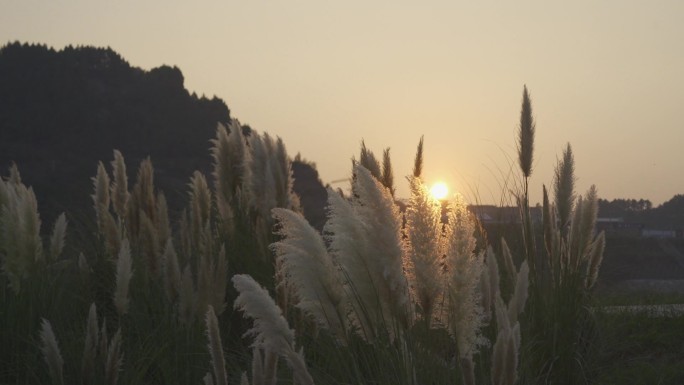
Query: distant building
[618, 227]
[660, 234]
[491, 215]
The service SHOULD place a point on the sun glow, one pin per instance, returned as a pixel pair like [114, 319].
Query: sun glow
[439, 190]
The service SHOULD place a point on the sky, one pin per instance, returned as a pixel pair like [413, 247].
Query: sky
[605, 76]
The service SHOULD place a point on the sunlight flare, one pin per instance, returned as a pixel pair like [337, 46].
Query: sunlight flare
[439, 190]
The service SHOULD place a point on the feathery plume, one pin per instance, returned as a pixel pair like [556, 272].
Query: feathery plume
[124, 273]
[57, 237]
[508, 262]
[595, 258]
[348, 245]
[163, 223]
[581, 237]
[119, 189]
[270, 331]
[489, 284]
[505, 350]
[285, 195]
[104, 343]
[215, 348]
[526, 135]
[200, 208]
[172, 275]
[101, 195]
[381, 225]
[90, 348]
[112, 233]
[219, 282]
[144, 188]
[114, 360]
[148, 243]
[424, 231]
[231, 168]
[564, 187]
[463, 269]
[51, 353]
[262, 185]
[309, 270]
[418, 162]
[516, 304]
[14, 176]
[387, 178]
[223, 174]
[20, 241]
[368, 160]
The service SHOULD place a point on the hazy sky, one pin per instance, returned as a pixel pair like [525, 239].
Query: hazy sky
[606, 76]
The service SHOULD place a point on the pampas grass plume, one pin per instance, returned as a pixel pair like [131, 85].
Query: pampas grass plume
[171, 269]
[368, 161]
[424, 230]
[595, 258]
[51, 353]
[385, 256]
[114, 360]
[271, 331]
[124, 273]
[516, 304]
[564, 187]
[101, 194]
[526, 135]
[309, 270]
[119, 187]
[244, 380]
[215, 348]
[90, 348]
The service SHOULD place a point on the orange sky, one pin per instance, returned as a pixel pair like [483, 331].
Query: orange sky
[606, 76]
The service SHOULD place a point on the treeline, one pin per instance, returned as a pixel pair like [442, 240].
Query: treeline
[51, 99]
[62, 111]
[667, 216]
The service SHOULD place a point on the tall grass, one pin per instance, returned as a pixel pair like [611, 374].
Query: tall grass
[380, 297]
[559, 326]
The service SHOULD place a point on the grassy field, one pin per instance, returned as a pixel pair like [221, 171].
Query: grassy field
[242, 289]
[638, 348]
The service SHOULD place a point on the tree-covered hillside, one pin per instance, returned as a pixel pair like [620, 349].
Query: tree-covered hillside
[63, 111]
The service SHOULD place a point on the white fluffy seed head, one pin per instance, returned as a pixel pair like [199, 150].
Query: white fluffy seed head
[51, 352]
[119, 189]
[215, 347]
[270, 329]
[309, 270]
[463, 271]
[124, 272]
[424, 231]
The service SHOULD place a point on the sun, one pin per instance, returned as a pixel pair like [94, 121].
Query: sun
[439, 190]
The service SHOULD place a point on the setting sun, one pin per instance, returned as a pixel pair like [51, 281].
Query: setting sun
[439, 190]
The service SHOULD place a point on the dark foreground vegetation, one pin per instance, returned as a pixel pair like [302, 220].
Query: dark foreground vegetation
[155, 273]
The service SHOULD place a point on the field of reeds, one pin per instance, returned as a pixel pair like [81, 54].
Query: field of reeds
[241, 289]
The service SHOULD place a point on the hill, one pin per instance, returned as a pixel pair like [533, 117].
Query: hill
[63, 111]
